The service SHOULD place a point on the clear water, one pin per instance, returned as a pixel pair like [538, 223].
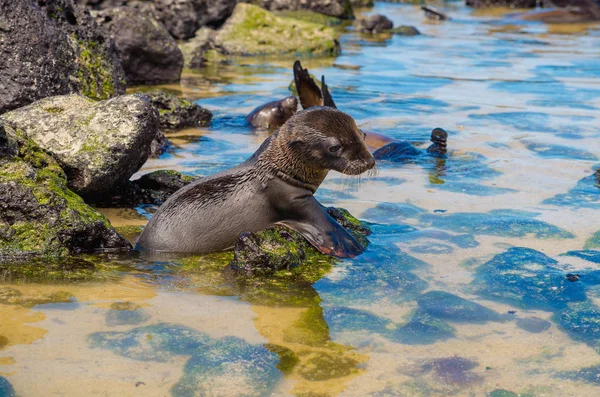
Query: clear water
[464, 289]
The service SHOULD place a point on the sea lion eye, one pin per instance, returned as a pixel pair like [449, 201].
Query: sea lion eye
[335, 148]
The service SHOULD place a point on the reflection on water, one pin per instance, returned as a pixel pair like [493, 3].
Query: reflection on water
[482, 274]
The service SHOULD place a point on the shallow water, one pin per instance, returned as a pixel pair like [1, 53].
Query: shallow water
[482, 274]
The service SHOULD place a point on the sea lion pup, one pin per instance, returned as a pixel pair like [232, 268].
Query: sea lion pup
[405, 151]
[311, 95]
[273, 187]
[274, 114]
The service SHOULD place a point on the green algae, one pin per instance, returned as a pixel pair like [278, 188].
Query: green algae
[94, 66]
[324, 366]
[288, 359]
[310, 16]
[252, 30]
[310, 329]
[12, 296]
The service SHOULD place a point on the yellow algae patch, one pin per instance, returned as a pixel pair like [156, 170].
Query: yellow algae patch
[7, 361]
[13, 325]
[300, 336]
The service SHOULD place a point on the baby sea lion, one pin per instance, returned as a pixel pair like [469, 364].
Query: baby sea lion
[311, 95]
[273, 187]
[274, 114]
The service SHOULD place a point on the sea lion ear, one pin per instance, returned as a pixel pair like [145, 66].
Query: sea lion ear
[295, 142]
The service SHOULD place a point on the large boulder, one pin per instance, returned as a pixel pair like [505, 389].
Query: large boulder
[53, 47]
[149, 54]
[181, 17]
[253, 31]
[335, 8]
[374, 24]
[39, 215]
[99, 144]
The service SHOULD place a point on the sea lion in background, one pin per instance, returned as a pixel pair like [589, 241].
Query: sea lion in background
[274, 114]
[273, 187]
[311, 95]
[405, 151]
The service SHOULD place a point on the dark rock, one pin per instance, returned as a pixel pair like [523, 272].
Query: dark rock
[374, 24]
[587, 374]
[182, 18]
[502, 3]
[434, 14]
[53, 47]
[534, 325]
[176, 113]
[272, 250]
[153, 188]
[446, 306]
[98, 144]
[149, 54]
[39, 215]
[335, 8]
[362, 3]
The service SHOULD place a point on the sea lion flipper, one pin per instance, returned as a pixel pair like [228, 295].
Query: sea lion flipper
[308, 91]
[322, 231]
[327, 99]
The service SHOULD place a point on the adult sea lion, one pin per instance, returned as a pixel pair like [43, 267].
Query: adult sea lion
[311, 95]
[273, 187]
[274, 114]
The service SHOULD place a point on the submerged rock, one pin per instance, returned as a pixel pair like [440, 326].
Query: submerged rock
[176, 113]
[446, 306]
[40, 270]
[334, 8]
[405, 30]
[587, 374]
[39, 215]
[6, 389]
[422, 329]
[11, 296]
[126, 313]
[374, 24]
[98, 144]
[253, 31]
[534, 325]
[581, 321]
[266, 252]
[527, 278]
[148, 53]
[454, 370]
[53, 47]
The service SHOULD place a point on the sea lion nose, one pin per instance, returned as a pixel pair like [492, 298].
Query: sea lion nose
[370, 162]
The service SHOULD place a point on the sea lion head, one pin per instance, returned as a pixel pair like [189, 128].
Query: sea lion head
[328, 139]
[274, 114]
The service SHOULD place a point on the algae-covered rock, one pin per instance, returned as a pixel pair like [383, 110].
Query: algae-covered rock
[446, 306]
[148, 53]
[281, 249]
[12, 296]
[98, 144]
[39, 215]
[422, 329]
[334, 8]
[53, 47]
[362, 3]
[253, 31]
[126, 313]
[176, 113]
[405, 30]
[40, 270]
[153, 188]
[581, 321]
[310, 16]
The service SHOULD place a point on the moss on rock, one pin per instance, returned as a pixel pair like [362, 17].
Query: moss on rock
[39, 215]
